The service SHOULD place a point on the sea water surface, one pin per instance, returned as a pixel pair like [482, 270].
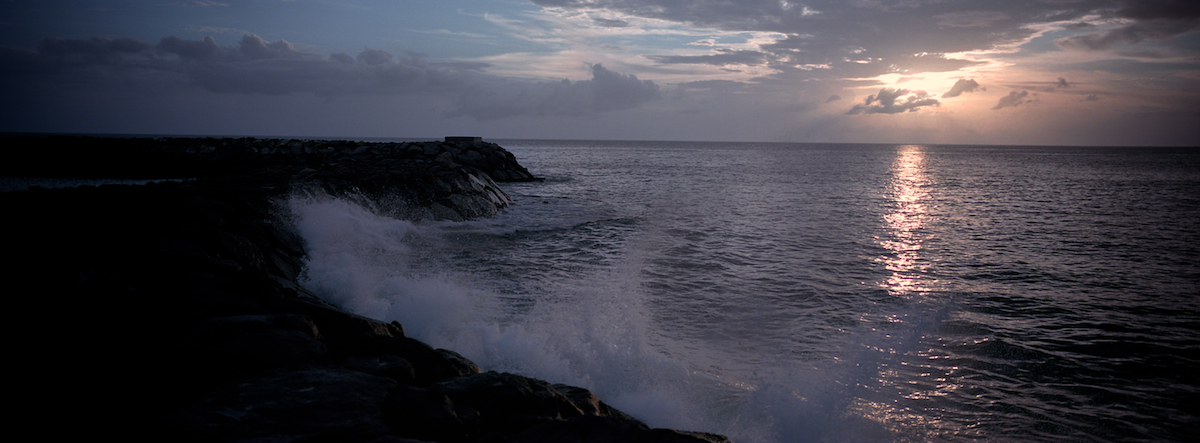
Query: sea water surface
[813, 293]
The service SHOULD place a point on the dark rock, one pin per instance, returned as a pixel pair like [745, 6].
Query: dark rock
[461, 364]
[330, 404]
[328, 165]
[605, 429]
[227, 347]
[586, 429]
[427, 414]
[508, 402]
[587, 402]
[386, 365]
[179, 316]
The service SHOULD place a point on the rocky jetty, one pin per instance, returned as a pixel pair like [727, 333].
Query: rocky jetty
[443, 180]
[170, 311]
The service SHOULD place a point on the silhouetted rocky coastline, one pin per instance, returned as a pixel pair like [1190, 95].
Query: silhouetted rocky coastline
[170, 311]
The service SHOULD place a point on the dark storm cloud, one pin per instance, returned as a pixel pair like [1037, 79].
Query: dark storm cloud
[961, 86]
[969, 19]
[1159, 9]
[833, 98]
[894, 101]
[1134, 33]
[721, 58]
[1135, 67]
[606, 91]
[256, 66]
[1013, 99]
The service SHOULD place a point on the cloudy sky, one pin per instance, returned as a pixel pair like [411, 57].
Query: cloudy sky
[1074, 72]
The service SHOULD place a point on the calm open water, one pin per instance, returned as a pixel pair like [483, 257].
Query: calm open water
[804, 293]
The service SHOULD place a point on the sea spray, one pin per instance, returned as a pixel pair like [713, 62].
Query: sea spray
[363, 262]
[380, 267]
[592, 328]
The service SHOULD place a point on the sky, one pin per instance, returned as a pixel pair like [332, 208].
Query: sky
[1033, 72]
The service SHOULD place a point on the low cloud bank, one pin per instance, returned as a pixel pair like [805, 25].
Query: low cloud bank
[606, 91]
[257, 66]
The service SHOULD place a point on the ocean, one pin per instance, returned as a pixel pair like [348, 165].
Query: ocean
[813, 292]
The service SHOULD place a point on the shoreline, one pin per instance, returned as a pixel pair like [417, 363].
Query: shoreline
[180, 316]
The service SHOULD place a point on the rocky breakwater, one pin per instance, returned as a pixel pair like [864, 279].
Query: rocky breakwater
[452, 180]
[170, 312]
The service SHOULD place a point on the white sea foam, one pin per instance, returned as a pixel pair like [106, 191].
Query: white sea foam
[380, 267]
[595, 331]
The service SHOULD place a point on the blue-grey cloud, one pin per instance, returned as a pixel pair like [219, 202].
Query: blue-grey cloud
[1013, 99]
[894, 101]
[961, 86]
[610, 23]
[856, 39]
[94, 50]
[970, 19]
[257, 66]
[256, 48]
[198, 3]
[189, 49]
[606, 91]
[721, 58]
[615, 91]
[374, 57]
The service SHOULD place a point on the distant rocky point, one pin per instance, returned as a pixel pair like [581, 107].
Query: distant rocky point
[170, 311]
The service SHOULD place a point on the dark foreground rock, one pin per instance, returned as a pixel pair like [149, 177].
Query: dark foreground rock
[170, 312]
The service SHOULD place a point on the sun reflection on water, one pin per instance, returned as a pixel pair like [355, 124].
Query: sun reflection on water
[911, 382]
[904, 222]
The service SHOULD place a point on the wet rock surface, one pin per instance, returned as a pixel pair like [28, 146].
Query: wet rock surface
[170, 312]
